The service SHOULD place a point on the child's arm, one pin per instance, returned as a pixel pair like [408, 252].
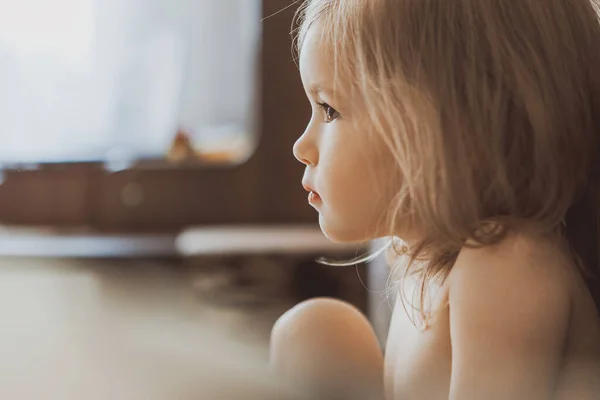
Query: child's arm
[508, 322]
[329, 347]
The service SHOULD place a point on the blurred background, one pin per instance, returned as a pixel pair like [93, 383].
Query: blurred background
[147, 178]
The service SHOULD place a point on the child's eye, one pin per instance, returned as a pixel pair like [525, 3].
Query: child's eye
[330, 113]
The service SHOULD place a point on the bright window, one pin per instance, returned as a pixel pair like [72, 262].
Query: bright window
[94, 80]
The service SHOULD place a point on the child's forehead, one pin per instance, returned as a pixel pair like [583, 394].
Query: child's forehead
[315, 63]
[322, 69]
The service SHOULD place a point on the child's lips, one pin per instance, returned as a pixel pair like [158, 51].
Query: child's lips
[313, 196]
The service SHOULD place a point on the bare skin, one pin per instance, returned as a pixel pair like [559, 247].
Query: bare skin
[328, 347]
[519, 324]
[513, 321]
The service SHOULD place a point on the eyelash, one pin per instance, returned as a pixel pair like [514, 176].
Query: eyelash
[330, 113]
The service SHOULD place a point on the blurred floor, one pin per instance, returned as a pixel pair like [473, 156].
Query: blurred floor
[94, 329]
[146, 328]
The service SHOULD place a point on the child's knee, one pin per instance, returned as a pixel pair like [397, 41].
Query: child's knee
[325, 342]
[321, 327]
[319, 316]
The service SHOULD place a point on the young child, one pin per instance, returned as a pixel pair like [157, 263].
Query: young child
[469, 130]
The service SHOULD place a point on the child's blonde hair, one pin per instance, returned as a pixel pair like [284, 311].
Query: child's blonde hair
[491, 109]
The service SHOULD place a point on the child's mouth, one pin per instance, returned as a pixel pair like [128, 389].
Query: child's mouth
[314, 198]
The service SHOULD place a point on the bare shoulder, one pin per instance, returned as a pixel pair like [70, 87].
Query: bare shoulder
[530, 270]
[523, 280]
[510, 307]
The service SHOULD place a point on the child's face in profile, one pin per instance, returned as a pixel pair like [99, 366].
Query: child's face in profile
[345, 163]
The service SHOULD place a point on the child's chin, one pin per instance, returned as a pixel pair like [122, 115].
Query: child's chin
[339, 234]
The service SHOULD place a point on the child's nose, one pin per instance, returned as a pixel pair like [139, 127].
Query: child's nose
[305, 151]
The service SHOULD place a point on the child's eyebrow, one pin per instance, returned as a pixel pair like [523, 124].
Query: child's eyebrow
[317, 88]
